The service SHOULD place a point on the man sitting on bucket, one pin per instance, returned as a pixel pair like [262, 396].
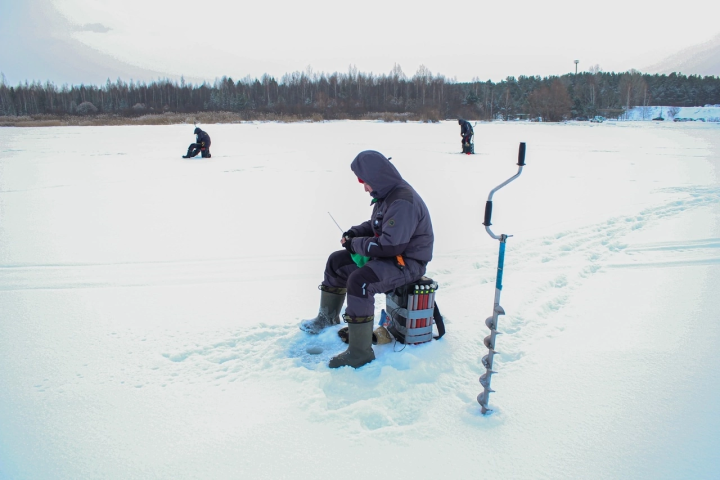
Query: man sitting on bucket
[201, 145]
[388, 251]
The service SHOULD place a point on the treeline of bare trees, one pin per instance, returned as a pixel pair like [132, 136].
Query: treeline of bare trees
[354, 94]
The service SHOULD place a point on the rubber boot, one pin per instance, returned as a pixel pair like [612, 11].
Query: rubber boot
[359, 351]
[329, 311]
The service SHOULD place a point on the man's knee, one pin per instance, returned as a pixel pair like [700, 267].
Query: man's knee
[339, 267]
[359, 283]
[339, 259]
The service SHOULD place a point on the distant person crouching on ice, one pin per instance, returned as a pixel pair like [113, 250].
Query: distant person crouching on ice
[399, 231]
[201, 145]
[466, 132]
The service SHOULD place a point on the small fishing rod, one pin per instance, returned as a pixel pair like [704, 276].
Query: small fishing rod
[333, 219]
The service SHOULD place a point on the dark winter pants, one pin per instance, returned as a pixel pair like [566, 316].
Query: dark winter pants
[379, 275]
[196, 148]
[467, 146]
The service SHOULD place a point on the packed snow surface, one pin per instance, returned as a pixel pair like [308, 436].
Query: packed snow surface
[149, 304]
[707, 113]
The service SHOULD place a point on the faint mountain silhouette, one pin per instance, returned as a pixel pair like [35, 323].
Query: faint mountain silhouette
[38, 45]
[702, 59]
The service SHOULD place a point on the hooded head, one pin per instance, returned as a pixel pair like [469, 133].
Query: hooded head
[460, 121]
[197, 130]
[373, 168]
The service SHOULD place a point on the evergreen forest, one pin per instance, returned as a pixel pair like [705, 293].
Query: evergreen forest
[355, 94]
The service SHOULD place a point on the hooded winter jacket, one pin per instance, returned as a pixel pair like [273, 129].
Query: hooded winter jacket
[400, 222]
[202, 138]
[465, 128]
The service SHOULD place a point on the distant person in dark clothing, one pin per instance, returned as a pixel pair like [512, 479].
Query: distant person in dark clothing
[466, 131]
[201, 145]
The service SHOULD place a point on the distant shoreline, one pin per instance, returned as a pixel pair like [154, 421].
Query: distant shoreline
[206, 118]
[707, 113]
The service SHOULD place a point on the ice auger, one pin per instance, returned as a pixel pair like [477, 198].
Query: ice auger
[492, 321]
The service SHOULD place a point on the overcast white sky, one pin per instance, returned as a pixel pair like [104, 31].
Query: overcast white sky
[73, 41]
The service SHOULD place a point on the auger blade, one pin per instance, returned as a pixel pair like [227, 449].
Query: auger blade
[487, 361]
[483, 397]
[485, 379]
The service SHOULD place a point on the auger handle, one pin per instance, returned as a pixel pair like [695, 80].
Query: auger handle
[488, 213]
[488, 204]
[521, 155]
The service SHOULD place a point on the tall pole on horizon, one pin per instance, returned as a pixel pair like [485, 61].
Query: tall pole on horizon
[576, 62]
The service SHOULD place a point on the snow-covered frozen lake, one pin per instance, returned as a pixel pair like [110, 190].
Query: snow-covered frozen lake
[149, 304]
